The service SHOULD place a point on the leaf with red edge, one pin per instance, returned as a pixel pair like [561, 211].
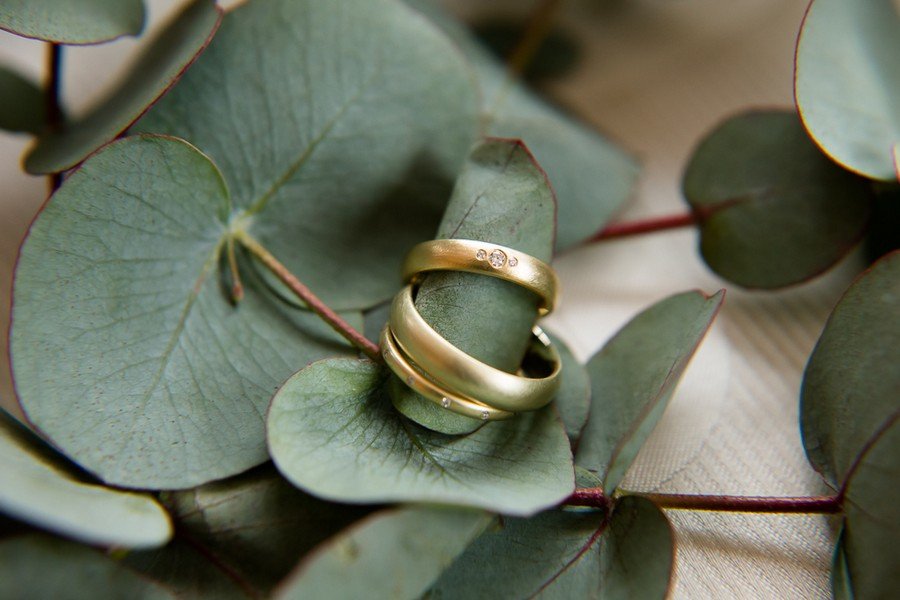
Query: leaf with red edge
[72, 21]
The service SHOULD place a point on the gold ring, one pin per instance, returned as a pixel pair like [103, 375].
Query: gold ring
[487, 259]
[416, 381]
[455, 370]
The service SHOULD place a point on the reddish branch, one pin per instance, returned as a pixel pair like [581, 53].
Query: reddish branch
[754, 504]
[617, 230]
[306, 295]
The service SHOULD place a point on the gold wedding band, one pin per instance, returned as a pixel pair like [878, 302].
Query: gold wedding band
[419, 383]
[455, 370]
[487, 259]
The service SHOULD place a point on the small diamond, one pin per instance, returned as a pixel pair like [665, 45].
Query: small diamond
[484, 415]
[409, 380]
[481, 255]
[445, 402]
[513, 261]
[497, 258]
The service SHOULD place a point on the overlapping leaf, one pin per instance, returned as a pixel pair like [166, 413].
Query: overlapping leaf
[36, 566]
[241, 535]
[850, 410]
[72, 21]
[773, 210]
[591, 176]
[126, 352]
[37, 486]
[21, 103]
[573, 400]
[848, 83]
[338, 127]
[633, 377]
[334, 417]
[567, 554]
[501, 196]
[393, 554]
[156, 71]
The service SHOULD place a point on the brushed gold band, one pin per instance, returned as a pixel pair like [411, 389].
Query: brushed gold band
[418, 382]
[455, 370]
[473, 256]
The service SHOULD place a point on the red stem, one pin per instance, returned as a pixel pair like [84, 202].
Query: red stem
[306, 295]
[754, 504]
[617, 230]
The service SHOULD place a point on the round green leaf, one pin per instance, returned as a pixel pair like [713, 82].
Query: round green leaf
[851, 386]
[37, 486]
[333, 417]
[633, 377]
[155, 72]
[773, 211]
[338, 127]
[567, 554]
[847, 82]
[126, 351]
[592, 178]
[637, 553]
[21, 103]
[502, 196]
[72, 21]
[393, 554]
[36, 566]
[242, 534]
[872, 523]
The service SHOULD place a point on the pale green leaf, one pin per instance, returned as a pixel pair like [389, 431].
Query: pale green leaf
[592, 178]
[334, 433]
[633, 377]
[501, 197]
[162, 63]
[573, 400]
[393, 554]
[72, 21]
[38, 486]
[851, 386]
[338, 127]
[21, 103]
[847, 82]
[126, 351]
[772, 209]
[36, 566]
[256, 525]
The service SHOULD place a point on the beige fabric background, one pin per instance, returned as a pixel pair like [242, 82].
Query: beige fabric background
[656, 75]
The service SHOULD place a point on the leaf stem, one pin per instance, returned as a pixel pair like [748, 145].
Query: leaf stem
[618, 230]
[52, 108]
[753, 504]
[237, 287]
[306, 295]
[536, 32]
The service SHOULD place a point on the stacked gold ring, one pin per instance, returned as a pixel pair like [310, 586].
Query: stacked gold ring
[444, 374]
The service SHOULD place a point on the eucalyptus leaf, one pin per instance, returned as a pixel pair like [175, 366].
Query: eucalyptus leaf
[773, 210]
[162, 63]
[126, 352]
[397, 554]
[592, 178]
[72, 21]
[633, 377]
[851, 387]
[573, 400]
[242, 534]
[872, 517]
[337, 126]
[37, 486]
[37, 566]
[840, 576]
[847, 83]
[501, 196]
[21, 103]
[637, 553]
[567, 554]
[334, 417]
